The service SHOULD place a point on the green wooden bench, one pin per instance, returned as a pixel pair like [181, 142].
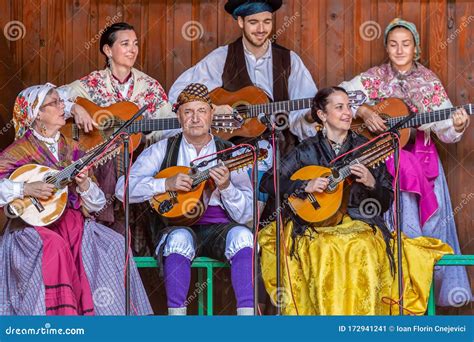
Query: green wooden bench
[200, 263]
[448, 260]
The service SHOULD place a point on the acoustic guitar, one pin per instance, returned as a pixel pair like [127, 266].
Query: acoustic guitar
[185, 208]
[37, 212]
[249, 102]
[395, 111]
[112, 117]
[326, 208]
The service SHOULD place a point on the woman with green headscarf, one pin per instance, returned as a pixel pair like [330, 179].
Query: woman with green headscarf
[425, 203]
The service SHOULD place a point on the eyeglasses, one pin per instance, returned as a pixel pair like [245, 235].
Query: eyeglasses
[55, 103]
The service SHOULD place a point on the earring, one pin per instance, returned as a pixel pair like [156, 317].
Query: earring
[43, 128]
[109, 62]
[325, 131]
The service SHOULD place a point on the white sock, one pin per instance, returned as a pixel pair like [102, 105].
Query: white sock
[177, 311]
[245, 312]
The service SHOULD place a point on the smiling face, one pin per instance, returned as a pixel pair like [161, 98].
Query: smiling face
[256, 28]
[124, 50]
[401, 48]
[51, 113]
[337, 116]
[195, 117]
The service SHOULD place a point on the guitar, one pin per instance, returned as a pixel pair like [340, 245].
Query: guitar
[185, 208]
[251, 101]
[327, 208]
[112, 117]
[394, 110]
[37, 212]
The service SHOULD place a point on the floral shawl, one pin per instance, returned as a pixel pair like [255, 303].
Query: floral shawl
[422, 91]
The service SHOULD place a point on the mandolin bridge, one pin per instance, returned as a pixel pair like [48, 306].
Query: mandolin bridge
[168, 204]
[165, 207]
[37, 204]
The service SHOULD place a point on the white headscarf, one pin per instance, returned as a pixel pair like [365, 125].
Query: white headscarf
[27, 107]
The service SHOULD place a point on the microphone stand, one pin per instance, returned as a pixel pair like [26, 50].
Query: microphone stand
[126, 163]
[256, 265]
[278, 216]
[266, 119]
[255, 227]
[126, 140]
[398, 226]
[126, 159]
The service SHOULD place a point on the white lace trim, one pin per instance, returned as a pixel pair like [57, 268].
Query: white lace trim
[47, 140]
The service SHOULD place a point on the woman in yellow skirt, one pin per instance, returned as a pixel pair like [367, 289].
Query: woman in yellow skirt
[348, 268]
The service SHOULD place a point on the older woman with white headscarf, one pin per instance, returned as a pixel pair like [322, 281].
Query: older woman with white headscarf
[74, 265]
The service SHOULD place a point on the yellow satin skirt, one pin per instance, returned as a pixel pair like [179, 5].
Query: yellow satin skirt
[345, 270]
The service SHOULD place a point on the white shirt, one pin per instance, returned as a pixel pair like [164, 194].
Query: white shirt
[93, 199]
[236, 199]
[210, 69]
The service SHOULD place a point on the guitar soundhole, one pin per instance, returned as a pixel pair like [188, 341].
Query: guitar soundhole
[240, 112]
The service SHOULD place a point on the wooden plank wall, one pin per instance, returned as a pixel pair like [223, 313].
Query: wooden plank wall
[60, 44]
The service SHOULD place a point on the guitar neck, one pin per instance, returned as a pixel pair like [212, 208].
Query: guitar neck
[154, 125]
[429, 117]
[277, 107]
[369, 158]
[151, 125]
[356, 98]
[63, 177]
[232, 164]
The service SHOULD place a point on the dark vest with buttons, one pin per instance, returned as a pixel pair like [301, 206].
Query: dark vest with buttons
[236, 76]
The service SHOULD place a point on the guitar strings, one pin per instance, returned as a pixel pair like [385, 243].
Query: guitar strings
[428, 116]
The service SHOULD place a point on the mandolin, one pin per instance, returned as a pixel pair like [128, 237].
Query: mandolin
[185, 208]
[112, 117]
[326, 208]
[394, 111]
[249, 102]
[37, 212]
